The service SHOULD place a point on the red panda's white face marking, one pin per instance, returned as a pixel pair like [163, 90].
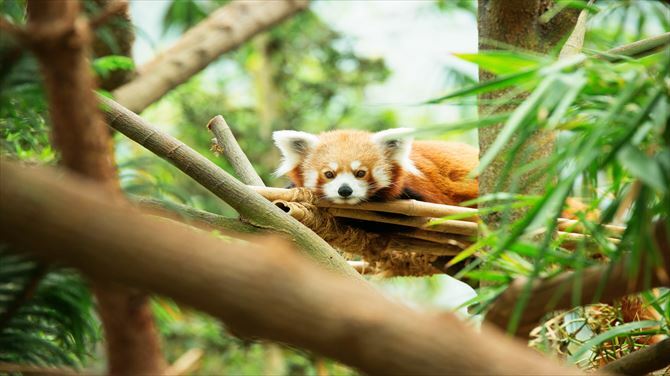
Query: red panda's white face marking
[344, 166]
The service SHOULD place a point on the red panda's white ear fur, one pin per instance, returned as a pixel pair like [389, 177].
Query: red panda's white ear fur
[294, 146]
[397, 143]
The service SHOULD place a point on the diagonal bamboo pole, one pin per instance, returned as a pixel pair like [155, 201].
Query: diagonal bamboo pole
[249, 204]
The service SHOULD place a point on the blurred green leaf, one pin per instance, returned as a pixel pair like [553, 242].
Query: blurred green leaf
[502, 62]
[621, 330]
[643, 167]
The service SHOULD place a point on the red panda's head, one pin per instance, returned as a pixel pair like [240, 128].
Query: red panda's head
[345, 166]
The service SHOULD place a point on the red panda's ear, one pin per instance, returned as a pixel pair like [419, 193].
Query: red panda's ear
[397, 145]
[294, 146]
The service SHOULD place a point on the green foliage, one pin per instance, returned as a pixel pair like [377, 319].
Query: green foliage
[469, 6]
[226, 354]
[23, 112]
[301, 75]
[45, 317]
[104, 66]
[612, 123]
[183, 14]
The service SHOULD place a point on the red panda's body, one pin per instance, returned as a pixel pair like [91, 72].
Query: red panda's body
[444, 168]
[353, 166]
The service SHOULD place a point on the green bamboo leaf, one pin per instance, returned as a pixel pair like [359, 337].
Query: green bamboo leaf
[493, 276]
[643, 167]
[617, 331]
[504, 62]
[575, 82]
[488, 86]
[464, 254]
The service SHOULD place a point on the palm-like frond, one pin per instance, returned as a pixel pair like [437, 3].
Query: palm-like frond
[46, 316]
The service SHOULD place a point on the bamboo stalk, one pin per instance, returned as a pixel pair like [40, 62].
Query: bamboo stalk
[461, 241]
[187, 363]
[575, 41]
[573, 226]
[637, 49]
[195, 217]
[227, 145]
[250, 205]
[352, 243]
[421, 247]
[281, 194]
[451, 226]
[570, 237]
[412, 208]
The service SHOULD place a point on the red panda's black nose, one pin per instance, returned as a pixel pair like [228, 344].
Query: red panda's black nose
[345, 190]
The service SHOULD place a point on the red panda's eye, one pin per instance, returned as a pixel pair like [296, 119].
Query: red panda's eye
[360, 173]
[329, 174]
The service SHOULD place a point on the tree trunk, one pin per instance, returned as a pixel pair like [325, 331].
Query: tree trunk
[61, 42]
[516, 23]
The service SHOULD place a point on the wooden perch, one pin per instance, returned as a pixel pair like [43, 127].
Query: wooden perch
[554, 294]
[224, 30]
[571, 225]
[227, 145]
[263, 290]
[392, 254]
[249, 204]
[412, 208]
[451, 226]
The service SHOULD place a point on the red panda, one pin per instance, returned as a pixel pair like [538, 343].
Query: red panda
[351, 166]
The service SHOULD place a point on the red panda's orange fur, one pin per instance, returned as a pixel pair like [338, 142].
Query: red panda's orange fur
[444, 170]
[444, 166]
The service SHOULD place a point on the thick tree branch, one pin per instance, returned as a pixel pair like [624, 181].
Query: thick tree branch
[269, 292]
[223, 31]
[643, 361]
[198, 218]
[556, 293]
[250, 205]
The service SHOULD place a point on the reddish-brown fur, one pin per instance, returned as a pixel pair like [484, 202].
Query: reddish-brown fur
[444, 167]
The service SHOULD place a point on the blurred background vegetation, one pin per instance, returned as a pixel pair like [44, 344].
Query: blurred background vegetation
[311, 73]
